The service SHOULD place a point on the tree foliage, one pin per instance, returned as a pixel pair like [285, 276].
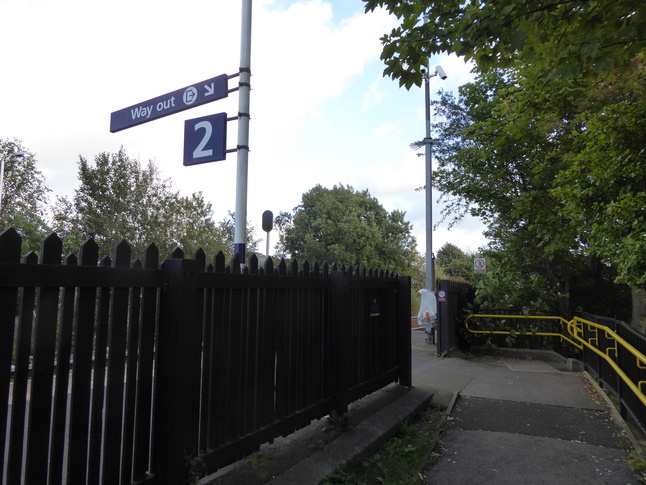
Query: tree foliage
[546, 145]
[24, 195]
[119, 199]
[454, 262]
[560, 38]
[344, 226]
[603, 187]
[494, 162]
[508, 154]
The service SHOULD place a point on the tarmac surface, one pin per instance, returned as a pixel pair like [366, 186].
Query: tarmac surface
[515, 418]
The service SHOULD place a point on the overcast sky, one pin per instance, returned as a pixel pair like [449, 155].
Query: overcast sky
[321, 111]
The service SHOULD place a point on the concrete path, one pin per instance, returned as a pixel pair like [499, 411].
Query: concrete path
[513, 421]
[520, 421]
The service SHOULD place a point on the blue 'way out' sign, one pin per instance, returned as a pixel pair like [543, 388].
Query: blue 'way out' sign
[167, 104]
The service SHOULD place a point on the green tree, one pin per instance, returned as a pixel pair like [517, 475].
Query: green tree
[119, 199]
[560, 39]
[193, 228]
[501, 159]
[344, 226]
[498, 161]
[516, 283]
[546, 145]
[603, 186]
[24, 195]
[505, 288]
[455, 262]
[226, 228]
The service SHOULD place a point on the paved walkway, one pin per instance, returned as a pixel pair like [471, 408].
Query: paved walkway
[522, 421]
[514, 421]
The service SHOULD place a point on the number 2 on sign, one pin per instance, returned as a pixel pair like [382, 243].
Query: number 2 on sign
[208, 131]
[205, 139]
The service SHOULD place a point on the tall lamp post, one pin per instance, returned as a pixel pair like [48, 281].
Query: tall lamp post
[3, 160]
[427, 143]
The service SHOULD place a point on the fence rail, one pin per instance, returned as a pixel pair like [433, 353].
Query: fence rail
[135, 372]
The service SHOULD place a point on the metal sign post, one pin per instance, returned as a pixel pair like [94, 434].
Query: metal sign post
[205, 137]
[240, 235]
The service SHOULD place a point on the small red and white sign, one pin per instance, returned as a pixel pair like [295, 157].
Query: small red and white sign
[441, 295]
[480, 265]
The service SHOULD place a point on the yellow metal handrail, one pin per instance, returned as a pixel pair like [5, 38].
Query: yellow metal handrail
[575, 331]
[524, 317]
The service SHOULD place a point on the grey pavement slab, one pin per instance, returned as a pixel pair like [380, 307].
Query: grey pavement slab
[497, 381]
[595, 427]
[497, 458]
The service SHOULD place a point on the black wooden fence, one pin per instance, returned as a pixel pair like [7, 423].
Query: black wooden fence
[453, 297]
[113, 372]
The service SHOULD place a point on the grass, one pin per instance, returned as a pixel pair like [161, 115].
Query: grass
[402, 460]
[637, 465]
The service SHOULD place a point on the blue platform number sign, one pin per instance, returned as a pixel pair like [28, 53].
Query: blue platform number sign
[205, 139]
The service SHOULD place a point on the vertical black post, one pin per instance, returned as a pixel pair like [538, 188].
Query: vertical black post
[42, 374]
[77, 456]
[114, 392]
[443, 317]
[146, 362]
[403, 331]
[339, 344]
[10, 247]
[61, 393]
[178, 374]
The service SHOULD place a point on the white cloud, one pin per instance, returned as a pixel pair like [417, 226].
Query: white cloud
[373, 95]
[301, 59]
[384, 130]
